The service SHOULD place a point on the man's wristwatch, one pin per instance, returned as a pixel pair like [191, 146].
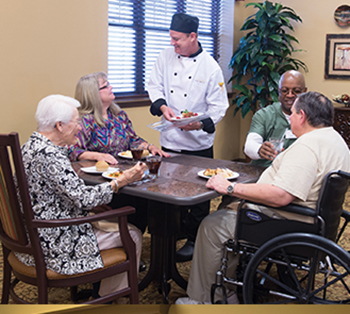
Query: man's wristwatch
[202, 125]
[230, 188]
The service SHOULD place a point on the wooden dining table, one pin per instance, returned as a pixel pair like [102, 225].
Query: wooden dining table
[177, 187]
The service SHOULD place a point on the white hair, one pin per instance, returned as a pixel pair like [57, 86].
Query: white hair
[54, 108]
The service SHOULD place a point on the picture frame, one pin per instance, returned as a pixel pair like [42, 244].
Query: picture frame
[337, 63]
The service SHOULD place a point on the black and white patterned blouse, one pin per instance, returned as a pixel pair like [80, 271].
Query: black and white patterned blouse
[57, 192]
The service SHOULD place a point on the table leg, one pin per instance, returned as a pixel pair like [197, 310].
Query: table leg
[163, 225]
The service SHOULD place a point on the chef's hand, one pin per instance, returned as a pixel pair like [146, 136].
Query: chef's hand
[191, 126]
[168, 113]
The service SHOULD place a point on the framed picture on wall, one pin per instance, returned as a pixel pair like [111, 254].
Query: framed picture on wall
[337, 65]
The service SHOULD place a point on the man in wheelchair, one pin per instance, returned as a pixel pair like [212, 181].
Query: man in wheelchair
[295, 176]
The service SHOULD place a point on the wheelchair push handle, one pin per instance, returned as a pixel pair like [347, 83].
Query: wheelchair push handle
[344, 174]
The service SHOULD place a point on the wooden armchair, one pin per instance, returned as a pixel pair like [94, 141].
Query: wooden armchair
[19, 233]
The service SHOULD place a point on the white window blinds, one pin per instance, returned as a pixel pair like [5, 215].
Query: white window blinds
[139, 30]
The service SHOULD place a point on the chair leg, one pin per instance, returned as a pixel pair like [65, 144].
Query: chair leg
[74, 293]
[42, 289]
[134, 295]
[6, 281]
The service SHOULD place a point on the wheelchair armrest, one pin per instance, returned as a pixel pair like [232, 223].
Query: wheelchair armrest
[291, 208]
[298, 209]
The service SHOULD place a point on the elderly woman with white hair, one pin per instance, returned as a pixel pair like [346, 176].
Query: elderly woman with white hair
[57, 192]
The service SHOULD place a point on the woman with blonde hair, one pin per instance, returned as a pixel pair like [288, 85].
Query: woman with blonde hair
[106, 128]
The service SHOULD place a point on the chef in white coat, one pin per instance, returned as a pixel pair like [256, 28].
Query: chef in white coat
[187, 77]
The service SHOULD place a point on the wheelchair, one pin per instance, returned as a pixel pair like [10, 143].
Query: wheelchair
[290, 254]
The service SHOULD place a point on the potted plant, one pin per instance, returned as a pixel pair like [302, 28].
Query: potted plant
[262, 55]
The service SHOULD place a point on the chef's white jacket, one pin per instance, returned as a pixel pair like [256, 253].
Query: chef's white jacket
[192, 83]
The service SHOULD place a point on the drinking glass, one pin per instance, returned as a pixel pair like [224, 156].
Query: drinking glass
[153, 163]
[136, 151]
[277, 143]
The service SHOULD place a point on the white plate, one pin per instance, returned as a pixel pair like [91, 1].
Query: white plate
[92, 170]
[107, 173]
[127, 154]
[234, 175]
[180, 119]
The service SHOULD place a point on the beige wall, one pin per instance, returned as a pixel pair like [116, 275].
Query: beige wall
[47, 45]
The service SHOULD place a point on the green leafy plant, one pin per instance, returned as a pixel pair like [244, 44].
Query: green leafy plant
[263, 55]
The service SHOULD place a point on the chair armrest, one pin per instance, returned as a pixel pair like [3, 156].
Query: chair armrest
[298, 209]
[291, 208]
[119, 212]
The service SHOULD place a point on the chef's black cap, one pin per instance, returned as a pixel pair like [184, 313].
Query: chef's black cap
[184, 23]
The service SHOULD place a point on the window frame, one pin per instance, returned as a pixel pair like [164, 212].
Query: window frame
[140, 98]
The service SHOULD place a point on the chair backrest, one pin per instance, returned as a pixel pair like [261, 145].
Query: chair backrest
[13, 185]
[330, 202]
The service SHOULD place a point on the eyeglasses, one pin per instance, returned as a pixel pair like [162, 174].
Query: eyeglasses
[104, 87]
[77, 121]
[294, 91]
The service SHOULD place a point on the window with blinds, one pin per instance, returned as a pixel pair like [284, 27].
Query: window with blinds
[139, 29]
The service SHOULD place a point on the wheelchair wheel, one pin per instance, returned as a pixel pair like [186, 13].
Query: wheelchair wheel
[315, 271]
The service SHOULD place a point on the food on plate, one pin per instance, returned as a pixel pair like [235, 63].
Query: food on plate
[128, 154]
[115, 174]
[102, 166]
[226, 173]
[187, 114]
[145, 153]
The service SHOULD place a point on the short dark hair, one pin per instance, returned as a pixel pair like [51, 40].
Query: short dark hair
[318, 108]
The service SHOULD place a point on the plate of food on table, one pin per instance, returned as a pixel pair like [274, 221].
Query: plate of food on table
[100, 167]
[226, 173]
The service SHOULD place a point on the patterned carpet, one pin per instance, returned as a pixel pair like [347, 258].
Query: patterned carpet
[150, 295]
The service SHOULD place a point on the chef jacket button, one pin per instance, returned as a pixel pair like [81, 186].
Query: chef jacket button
[175, 73]
[194, 60]
[189, 77]
[171, 91]
[185, 95]
[178, 57]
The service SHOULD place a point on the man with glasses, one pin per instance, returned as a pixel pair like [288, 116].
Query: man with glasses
[273, 121]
